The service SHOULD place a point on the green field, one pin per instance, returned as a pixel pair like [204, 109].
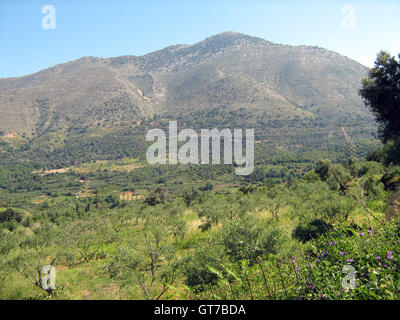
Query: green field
[200, 233]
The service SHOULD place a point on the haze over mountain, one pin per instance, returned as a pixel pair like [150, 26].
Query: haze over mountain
[229, 72]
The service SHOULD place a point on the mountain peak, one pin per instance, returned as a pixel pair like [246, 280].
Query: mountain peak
[229, 33]
[233, 38]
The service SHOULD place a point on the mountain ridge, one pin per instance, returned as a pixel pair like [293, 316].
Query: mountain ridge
[230, 69]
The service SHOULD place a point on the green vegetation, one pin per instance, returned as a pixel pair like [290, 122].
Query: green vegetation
[262, 241]
[381, 93]
[116, 228]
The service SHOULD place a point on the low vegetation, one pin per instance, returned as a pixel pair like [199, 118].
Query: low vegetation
[120, 229]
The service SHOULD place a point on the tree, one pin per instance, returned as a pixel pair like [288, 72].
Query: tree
[9, 215]
[160, 195]
[323, 169]
[381, 94]
[8, 242]
[214, 209]
[119, 220]
[10, 219]
[41, 248]
[250, 238]
[85, 239]
[152, 265]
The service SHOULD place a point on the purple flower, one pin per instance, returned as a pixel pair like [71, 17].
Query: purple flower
[325, 253]
[378, 258]
[361, 234]
[341, 253]
[369, 231]
[323, 296]
[332, 243]
[350, 260]
[297, 268]
[389, 255]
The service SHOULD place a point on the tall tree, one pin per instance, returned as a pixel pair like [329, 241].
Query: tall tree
[381, 94]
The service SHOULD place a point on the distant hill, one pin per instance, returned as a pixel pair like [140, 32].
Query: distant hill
[229, 71]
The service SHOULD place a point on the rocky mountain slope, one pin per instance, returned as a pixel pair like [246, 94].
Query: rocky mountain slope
[229, 72]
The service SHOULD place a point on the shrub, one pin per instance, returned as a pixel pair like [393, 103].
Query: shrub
[249, 238]
[197, 266]
[206, 187]
[10, 215]
[391, 179]
[158, 196]
[323, 169]
[311, 176]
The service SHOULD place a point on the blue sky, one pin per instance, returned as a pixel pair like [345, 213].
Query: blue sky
[120, 27]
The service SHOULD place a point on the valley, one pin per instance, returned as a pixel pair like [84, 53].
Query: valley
[77, 192]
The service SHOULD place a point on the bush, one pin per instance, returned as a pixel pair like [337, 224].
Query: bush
[196, 268]
[323, 169]
[373, 188]
[249, 238]
[247, 189]
[361, 168]
[391, 179]
[158, 196]
[206, 187]
[10, 215]
[391, 152]
[376, 155]
[311, 176]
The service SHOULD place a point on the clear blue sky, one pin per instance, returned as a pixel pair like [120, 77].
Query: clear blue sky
[121, 27]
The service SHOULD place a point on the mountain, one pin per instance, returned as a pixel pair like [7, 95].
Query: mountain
[98, 109]
[229, 72]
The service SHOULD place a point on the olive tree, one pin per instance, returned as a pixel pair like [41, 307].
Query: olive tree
[40, 249]
[149, 263]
